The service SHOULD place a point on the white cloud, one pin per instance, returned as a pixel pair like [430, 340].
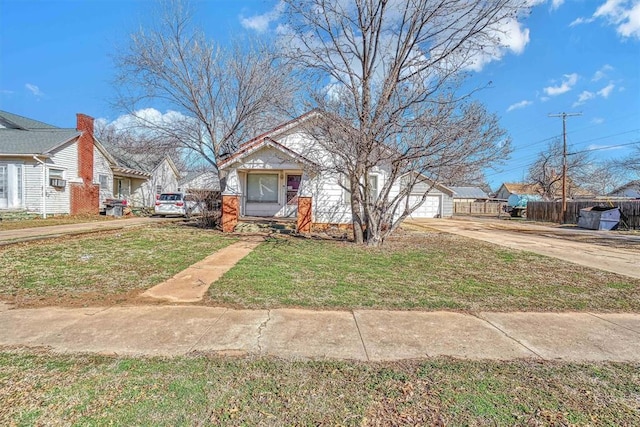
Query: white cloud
[606, 91]
[260, 23]
[567, 84]
[556, 4]
[518, 105]
[142, 119]
[602, 72]
[35, 90]
[622, 14]
[512, 36]
[584, 97]
[597, 121]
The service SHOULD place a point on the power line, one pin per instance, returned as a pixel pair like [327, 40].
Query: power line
[608, 147]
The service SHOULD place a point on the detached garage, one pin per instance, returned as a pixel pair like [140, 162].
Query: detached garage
[438, 204]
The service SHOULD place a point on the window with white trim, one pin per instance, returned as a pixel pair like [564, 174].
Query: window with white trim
[346, 193]
[104, 181]
[262, 188]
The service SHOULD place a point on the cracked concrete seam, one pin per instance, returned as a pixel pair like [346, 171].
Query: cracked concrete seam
[478, 316]
[613, 323]
[364, 347]
[261, 329]
[206, 331]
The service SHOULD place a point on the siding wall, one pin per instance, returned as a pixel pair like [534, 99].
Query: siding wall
[33, 186]
[66, 157]
[101, 166]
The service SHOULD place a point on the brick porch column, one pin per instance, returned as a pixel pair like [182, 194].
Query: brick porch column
[304, 214]
[230, 212]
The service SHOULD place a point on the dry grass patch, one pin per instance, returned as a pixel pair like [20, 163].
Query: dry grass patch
[104, 268]
[426, 271]
[19, 224]
[96, 390]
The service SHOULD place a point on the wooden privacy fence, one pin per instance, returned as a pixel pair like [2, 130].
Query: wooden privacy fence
[478, 208]
[552, 211]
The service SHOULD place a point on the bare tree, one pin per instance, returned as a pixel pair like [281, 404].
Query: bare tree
[221, 96]
[631, 163]
[546, 171]
[391, 71]
[604, 177]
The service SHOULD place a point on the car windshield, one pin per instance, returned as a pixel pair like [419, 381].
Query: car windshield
[170, 197]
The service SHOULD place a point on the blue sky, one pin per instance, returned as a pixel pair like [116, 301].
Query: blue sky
[567, 56]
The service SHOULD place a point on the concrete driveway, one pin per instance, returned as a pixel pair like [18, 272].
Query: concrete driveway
[49, 232]
[604, 250]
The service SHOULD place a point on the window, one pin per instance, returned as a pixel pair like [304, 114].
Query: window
[262, 188]
[11, 185]
[104, 181]
[373, 187]
[56, 178]
[346, 185]
[346, 193]
[158, 189]
[56, 174]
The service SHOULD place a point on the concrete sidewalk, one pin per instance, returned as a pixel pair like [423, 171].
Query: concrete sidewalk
[367, 335]
[50, 232]
[192, 283]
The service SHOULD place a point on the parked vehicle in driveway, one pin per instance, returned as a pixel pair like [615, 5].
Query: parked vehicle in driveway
[177, 204]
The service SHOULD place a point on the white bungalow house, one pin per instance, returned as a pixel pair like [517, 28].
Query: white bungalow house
[279, 174]
[138, 178]
[47, 170]
[631, 189]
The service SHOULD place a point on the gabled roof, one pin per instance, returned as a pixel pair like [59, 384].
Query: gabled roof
[14, 121]
[425, 178]
[258, 144]
[469, 193]
[136, 163]
[283, 127]
[22, 136]
[521, 188]
[630, 184]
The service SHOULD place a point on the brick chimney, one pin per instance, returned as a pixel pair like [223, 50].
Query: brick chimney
[85, 197]
[85, 148]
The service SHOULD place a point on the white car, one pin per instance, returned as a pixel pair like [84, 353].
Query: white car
[176, 204]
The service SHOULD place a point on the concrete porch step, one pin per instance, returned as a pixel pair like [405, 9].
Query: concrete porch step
[266, 225]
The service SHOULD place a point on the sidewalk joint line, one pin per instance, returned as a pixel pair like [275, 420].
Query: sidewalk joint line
[507, 335]
[364, 347]
[206, 331]
[261, 329]
[614, 323]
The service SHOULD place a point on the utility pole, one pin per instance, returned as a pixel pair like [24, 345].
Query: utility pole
[564, 159]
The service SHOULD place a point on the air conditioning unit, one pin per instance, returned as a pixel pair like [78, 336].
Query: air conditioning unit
[59, 183]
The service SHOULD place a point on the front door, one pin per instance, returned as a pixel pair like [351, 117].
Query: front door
[293, 185]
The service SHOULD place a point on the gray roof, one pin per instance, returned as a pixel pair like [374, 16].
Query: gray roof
[469, 193]
[19, 135]
[11, 120]
[145, 162]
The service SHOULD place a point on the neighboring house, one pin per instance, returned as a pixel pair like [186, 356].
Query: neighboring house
[139, 178]
[278, 174]
[45, 169]
[469, 194]
[200, 181]
[630, 189]
[506, 190]
[522, 189]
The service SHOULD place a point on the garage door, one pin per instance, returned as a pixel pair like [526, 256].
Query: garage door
[429, 209]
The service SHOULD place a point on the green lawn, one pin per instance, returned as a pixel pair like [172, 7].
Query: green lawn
[97, 390]
[103, 268]
[425, 271]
